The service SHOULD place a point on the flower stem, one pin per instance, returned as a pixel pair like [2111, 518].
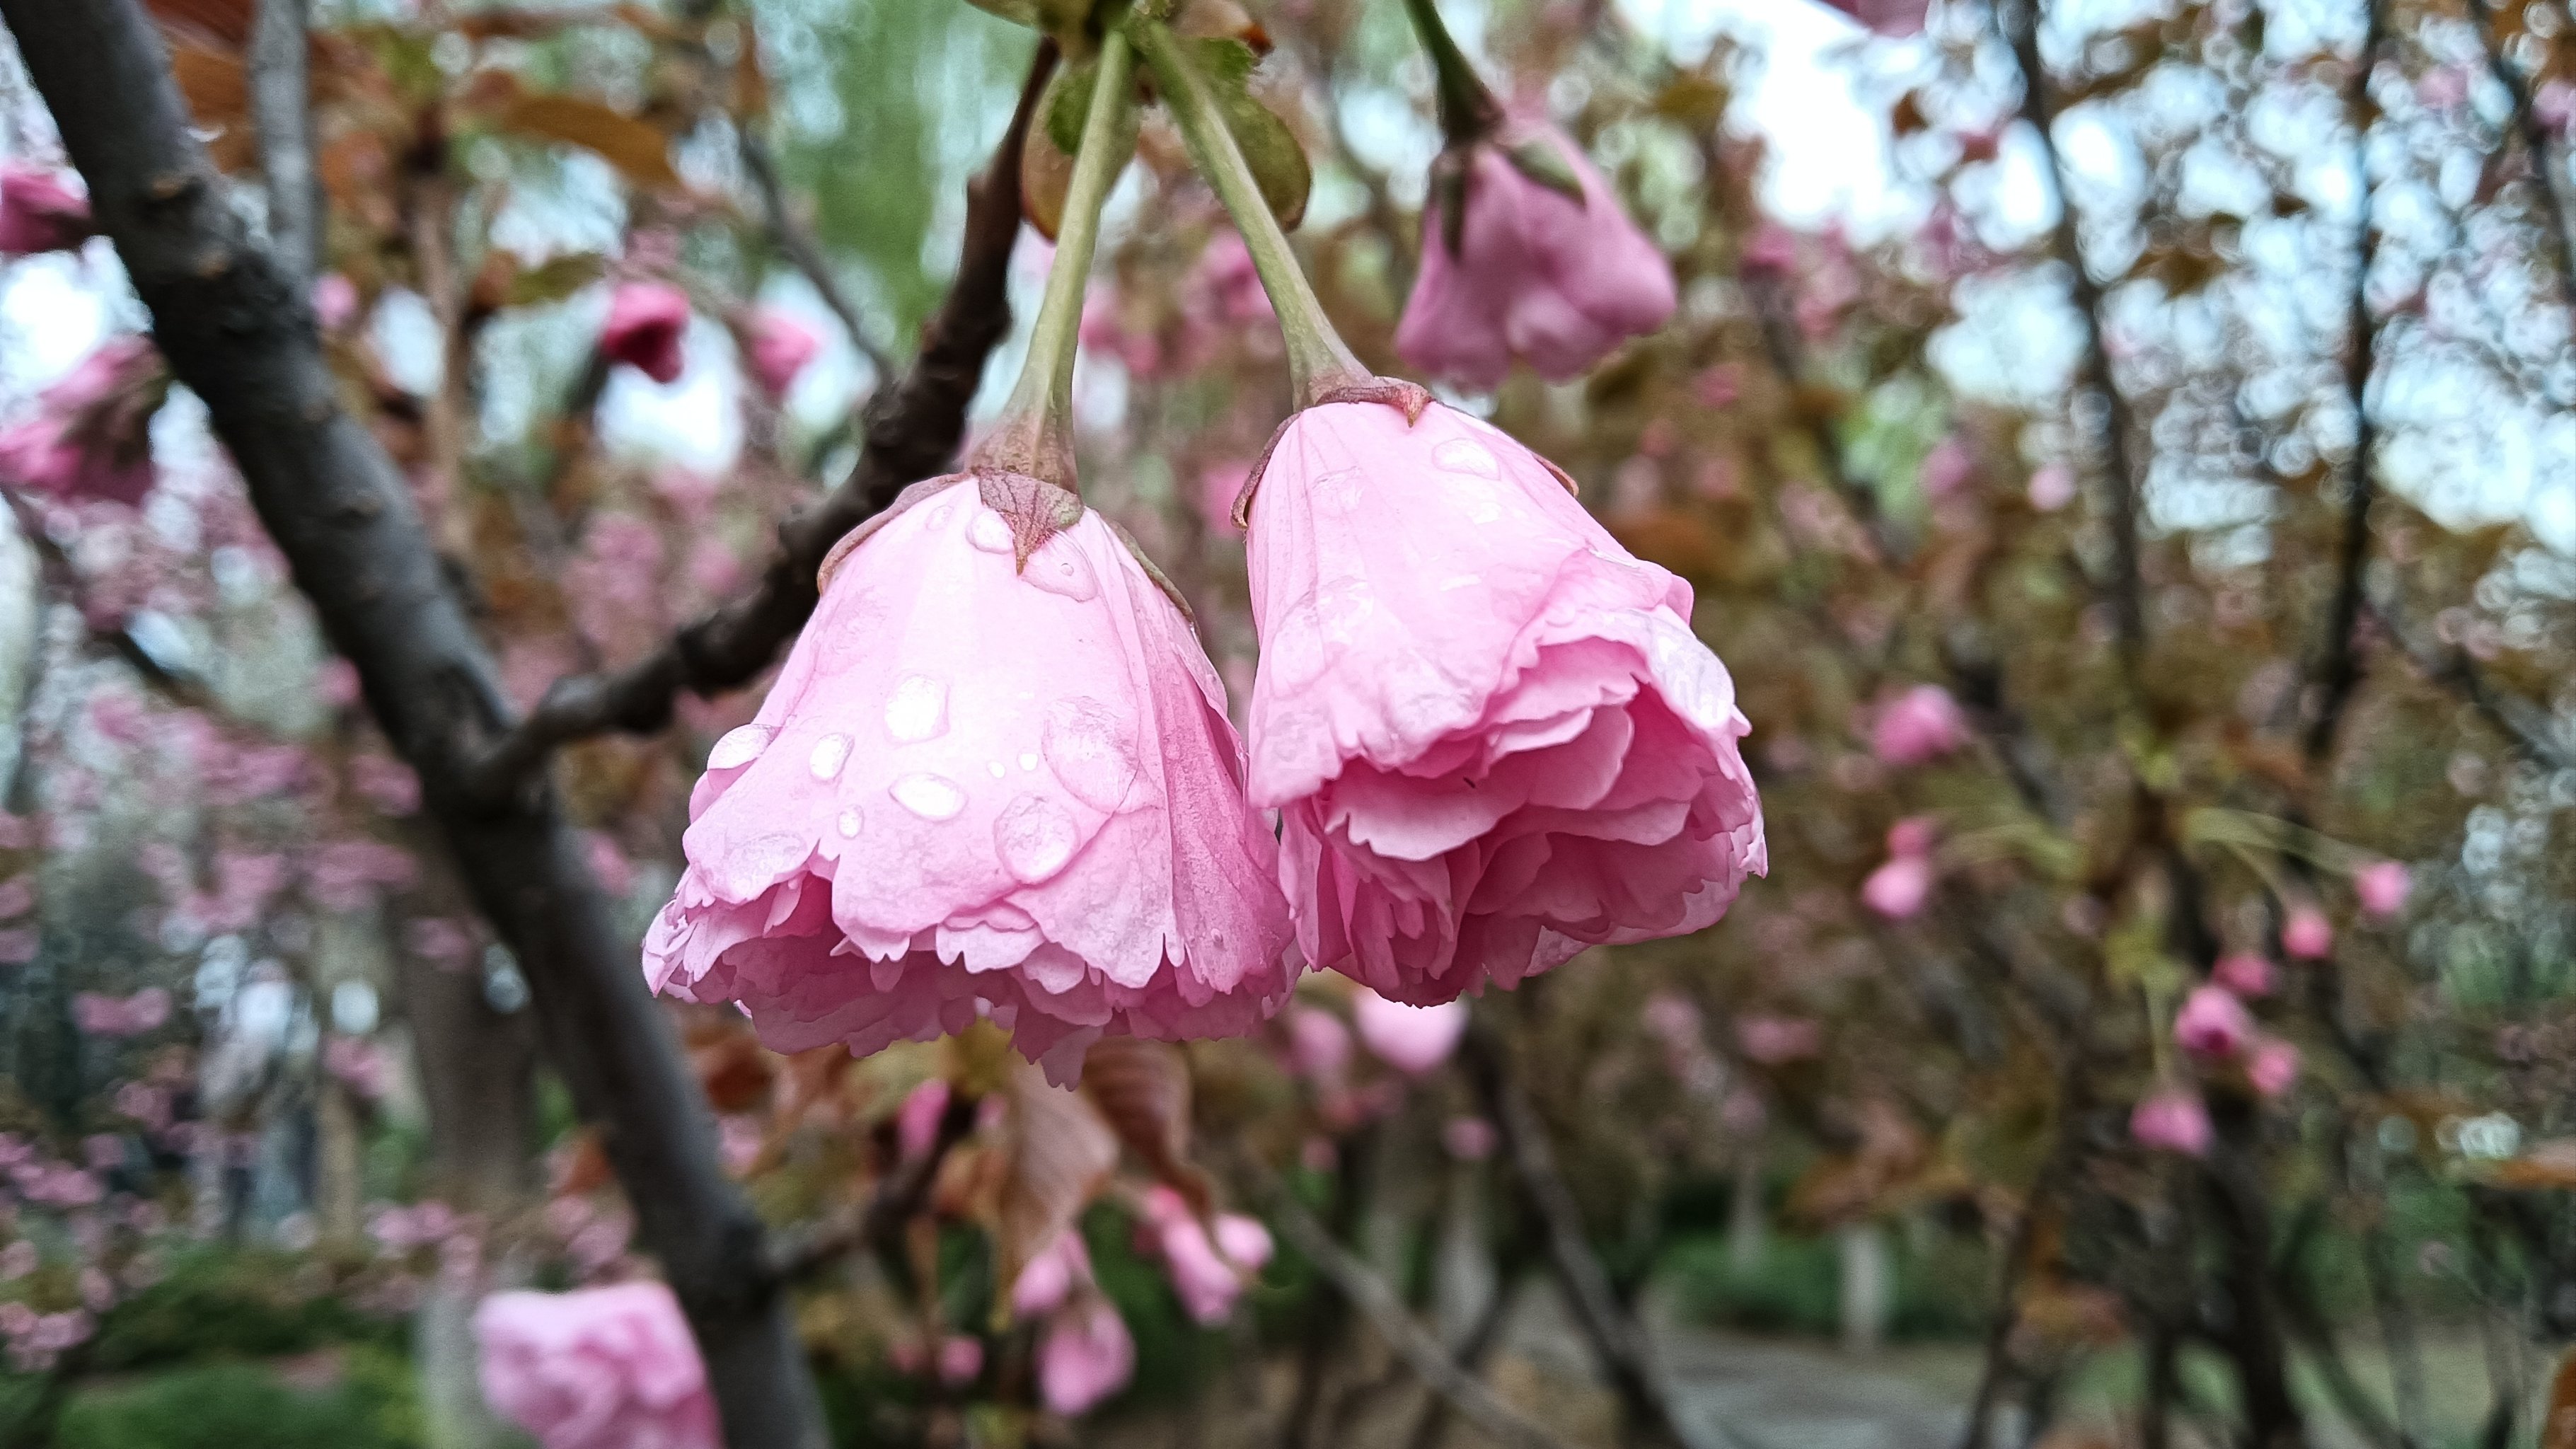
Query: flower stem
[1319, 365]
[1034, 434]
[1468, 111]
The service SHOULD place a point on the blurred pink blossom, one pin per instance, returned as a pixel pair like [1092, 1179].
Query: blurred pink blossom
[1085, 1356]
[1775, 1040]
[1319, 1045]
[1411, 1039]
[598, 1368]
[39, 212]
[1469, 1139]
[2306, 934]
[779, 347]
[2381, 887]
[2171, 1120]
[1886, 17]
[2246, 973]
[2213, 1024]
[388, 784]
[118, 1016]
[960, 1359]
[646, 322]
[1920, 725]
[2273, 1066]
[1946, 467]
[916, 1122]
[1050, 1278]
[1899, 888]
[1208, 1275]
[91, 436]
[2052, 487]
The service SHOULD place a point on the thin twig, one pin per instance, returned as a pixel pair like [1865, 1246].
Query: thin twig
[913, 431]
[803, 251]
[1386, 1313]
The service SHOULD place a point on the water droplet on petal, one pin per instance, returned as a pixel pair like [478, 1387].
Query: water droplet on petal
[918, 711]
[1029, 760]
[932, 797]
[739, 747]
[848, 824]
[1459, 581]
[1059, 568]
[1035, 836]
[988, 532]
[831, 752]
[1466, 455]
[1338, 492]
[1088, 747]
[939, 516]
[999, 769]
[1294, 652]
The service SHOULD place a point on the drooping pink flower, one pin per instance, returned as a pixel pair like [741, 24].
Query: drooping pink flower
[779, 347]
[1918, 726]
[982, 789]
[38, 213]
[2307, 934]
[1886, 17]
[2213, 1024]
[1208, 1275]
[91, 434]
[1898, 889]
[646, 322]
[598, 1368]
[1086, 1356]
[1534, 273]
[1051, 1277]
[1489, 731]
[2273, 1066]
[2246, 973]
[2171, 1119]
[2381, 887]
[916, 1122]
[1412, 1039]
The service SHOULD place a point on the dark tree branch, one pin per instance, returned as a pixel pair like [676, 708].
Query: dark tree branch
[237, 331]
[1386, 1313]
[282, 114]
[1616, 1337]
[2039, 107]
[2338, 670]
[801, 249]
[2534, 732]
[912, 433]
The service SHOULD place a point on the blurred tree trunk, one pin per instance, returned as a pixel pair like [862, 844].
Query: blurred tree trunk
[1868, 1285]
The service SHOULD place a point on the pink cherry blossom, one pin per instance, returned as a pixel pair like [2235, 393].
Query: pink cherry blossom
[1207, 1274]
[1319, 1045]
[2213, 1024]
[1918, 726]
[1412, 1039]
[114, 1016]
[778, 348]
[2307, 934]
[2381, 887]
[978, 788]
[1050, 1278]
[1775, 1040]
[1085, 1356]
[2052, 487]
[90, 436]
[2273, 1066]
[1534, 274]
[38, 213]
[1899, 888]
[598, 1368]
[2246, 973]
[2171, 1120]
[1489, 731]
[1886, 17]
[646, 322]
[916, 1122]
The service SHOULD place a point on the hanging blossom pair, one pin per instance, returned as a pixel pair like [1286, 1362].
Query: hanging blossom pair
[996, 778]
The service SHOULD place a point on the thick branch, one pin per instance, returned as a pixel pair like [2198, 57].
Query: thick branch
[1413, 1343]
[280, 91]
[913, 431]
[236, 330]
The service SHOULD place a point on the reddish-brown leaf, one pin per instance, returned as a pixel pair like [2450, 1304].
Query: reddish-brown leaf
[1142, 1088]
[638, 149]
[1056, 1154]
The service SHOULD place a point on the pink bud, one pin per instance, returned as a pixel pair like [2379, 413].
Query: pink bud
[38, 213]
[2273, 1067]
[2381, 887]
[646, 321]
[2245, 973]
[1535, 274]
[1207, 1275]
[2172, 1120]
[1920, 725]
[2306, 934]
[1086, 1356]
[1411, 1039]
[1899, 888]
[916, 1122]
[2213, 1024]
[780, 346]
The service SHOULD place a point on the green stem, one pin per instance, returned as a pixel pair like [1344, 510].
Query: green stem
[1468, 111]
[1319, 365]
[1034, 434]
